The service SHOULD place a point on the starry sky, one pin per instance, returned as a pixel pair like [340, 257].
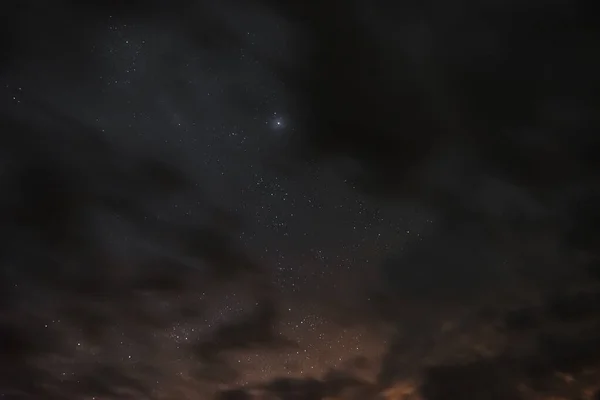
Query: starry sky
[225, 200]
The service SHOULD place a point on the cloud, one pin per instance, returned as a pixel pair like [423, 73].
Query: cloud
[334, 385]
[475, 381]
[468, 111]
[451, 118]
[72, 293]
[489, 129]
[254, 331]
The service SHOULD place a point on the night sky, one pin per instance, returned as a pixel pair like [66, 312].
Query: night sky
[273, 200]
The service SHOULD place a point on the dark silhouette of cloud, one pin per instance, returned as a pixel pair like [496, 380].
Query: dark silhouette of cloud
[335, 384]
[475, 381]
[235, 394]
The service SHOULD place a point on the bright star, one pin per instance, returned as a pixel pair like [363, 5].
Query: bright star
[277, 122]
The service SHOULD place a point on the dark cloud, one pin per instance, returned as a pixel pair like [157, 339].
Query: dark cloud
[254, 331]
[574, 306]
[558, 361]
[335, 384]
[359, 363]
[235, 394]
[486, 122]
[521, 319]
[68, 284]
[490, 128]
[474, 381]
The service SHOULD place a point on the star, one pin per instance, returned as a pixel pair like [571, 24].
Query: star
[277, 122]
